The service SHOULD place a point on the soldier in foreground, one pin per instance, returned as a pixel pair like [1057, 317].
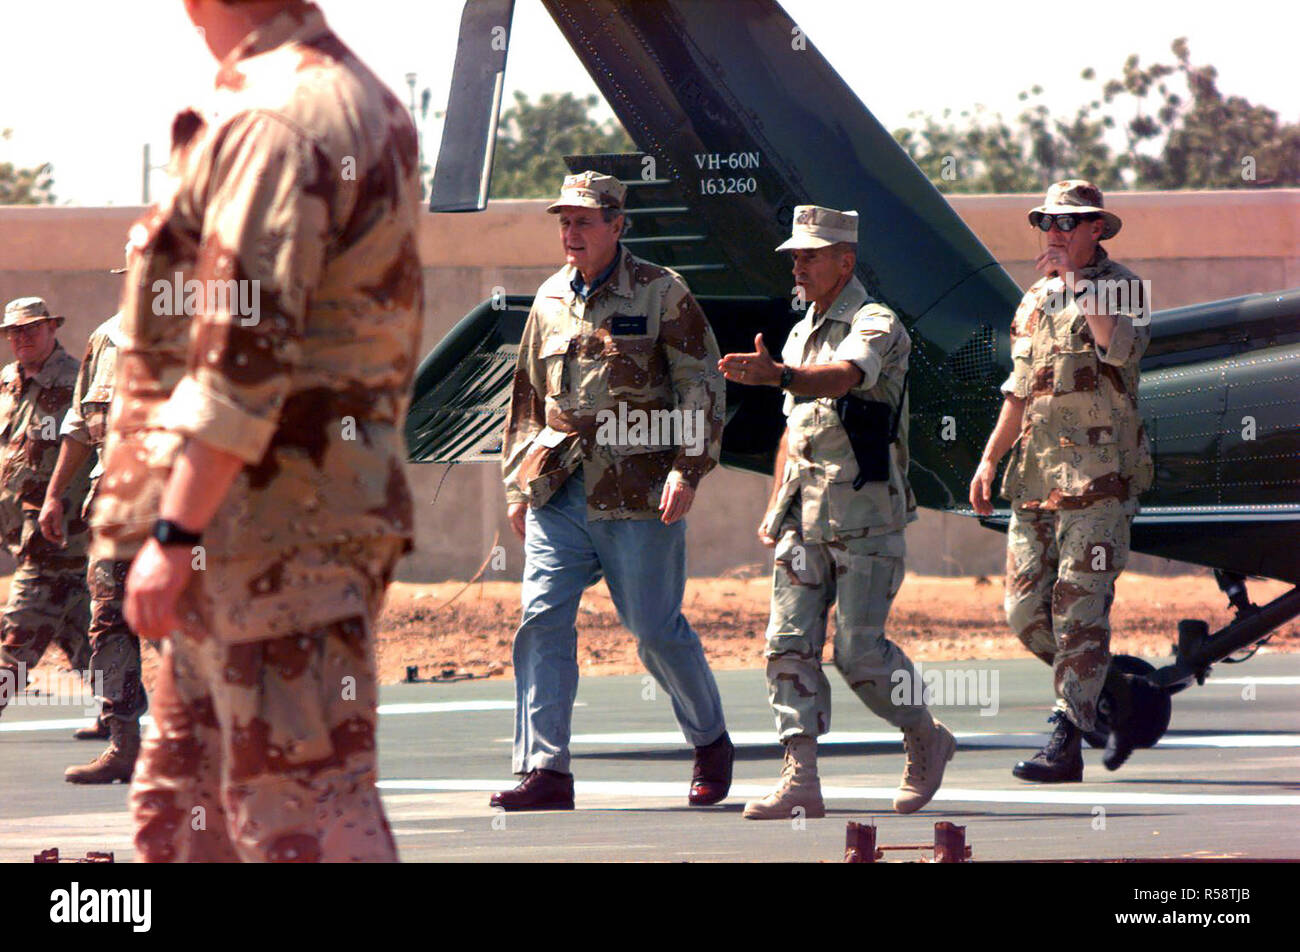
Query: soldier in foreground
[1081, 459]
[840, 501]
[47, 595]
[608, 334]
[114, 648]
[253, 464]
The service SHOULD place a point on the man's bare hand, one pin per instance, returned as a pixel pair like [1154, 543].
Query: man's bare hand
[757, 368]
[517, 512]
[1053, 261]
[154, 585]
[763, 537]
[51, 521]
[981, 486]
[675, 501]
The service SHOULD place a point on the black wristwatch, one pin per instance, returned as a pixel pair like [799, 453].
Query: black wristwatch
[787, 377]
[169, 533]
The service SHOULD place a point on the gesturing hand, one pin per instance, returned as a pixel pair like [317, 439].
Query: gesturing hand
[757, 368]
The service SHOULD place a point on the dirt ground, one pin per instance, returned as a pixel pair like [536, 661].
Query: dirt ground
[450, 628]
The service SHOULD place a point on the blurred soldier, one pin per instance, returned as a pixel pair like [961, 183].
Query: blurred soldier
[1081, 459]
[47, 596]
[840, 501]
[253, 463]
[114, 648]
[610, 337]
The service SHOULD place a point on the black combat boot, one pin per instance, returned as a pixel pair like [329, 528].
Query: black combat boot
[1061, 761]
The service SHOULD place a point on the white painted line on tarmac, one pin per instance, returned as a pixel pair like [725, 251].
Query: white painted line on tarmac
[1282, 679]
[968, 739]
[424, 707]
[657, 790]
[445, 707]
[57, 724]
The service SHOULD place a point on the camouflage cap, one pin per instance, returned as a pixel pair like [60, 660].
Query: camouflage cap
[817, 227]
[1077, 197]
[27, 310]
[589, 190]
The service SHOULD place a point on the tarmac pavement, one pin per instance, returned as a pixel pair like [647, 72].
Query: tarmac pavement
[1223, 782]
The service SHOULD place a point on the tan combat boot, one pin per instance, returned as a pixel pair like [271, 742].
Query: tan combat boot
[929, 747]
[118, 759]
[799, 786]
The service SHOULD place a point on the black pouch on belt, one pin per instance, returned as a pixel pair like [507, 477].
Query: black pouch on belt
[872, 426]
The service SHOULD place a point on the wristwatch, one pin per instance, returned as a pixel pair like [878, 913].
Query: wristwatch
[169, 533]
[787, 377]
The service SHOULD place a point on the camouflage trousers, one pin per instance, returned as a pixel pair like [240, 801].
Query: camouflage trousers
[114, 647]
[1061, 571]
[48, 601]
[264, 751]
[860, 577]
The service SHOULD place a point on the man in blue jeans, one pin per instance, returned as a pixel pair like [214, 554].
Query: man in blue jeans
[615, 416]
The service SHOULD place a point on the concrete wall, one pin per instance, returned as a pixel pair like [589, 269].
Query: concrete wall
[1193, 246]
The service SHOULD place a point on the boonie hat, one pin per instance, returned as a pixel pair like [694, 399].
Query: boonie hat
[26, 310]
[1077, 197]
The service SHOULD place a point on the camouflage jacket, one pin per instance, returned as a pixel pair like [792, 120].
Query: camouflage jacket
[274, 314]
[87, 418]
[820, 465]
[1082, 439]
[625, 385]
[30, 412]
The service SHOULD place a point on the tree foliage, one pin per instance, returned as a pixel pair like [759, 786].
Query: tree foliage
[533, 138]
[1180, 132]
[20, 186]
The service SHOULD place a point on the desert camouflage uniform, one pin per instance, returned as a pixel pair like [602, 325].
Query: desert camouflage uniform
[114, 648]
[1073, 480]
[638, 339]
[47, 595]
[834, 543]
[266, 705]
[641, 340]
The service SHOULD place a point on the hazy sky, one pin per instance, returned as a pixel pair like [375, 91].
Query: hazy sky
[86, 82]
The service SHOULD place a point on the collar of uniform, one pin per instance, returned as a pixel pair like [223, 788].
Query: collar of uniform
[47, 376]
[577, 286]
[113, 328]
[1098, 261]
[846, 304]
[295, 23]
[617, 277]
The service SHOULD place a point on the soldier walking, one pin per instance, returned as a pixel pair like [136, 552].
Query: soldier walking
[114, 648]
[1080, 460]
[840, 501]
[47, 595]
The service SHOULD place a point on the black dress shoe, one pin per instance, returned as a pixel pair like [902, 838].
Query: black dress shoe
[539, 790]
[711, 779]
[1061, 761]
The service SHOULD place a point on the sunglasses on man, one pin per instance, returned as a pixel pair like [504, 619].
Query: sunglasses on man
[24, 330]
[1064, 223]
